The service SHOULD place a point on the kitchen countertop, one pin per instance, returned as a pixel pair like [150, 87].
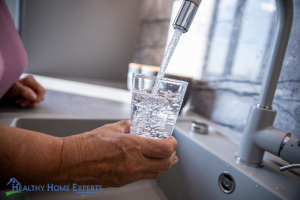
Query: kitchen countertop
[71, 105]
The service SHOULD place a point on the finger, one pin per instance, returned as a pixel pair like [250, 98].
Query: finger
[24, 102]
[155, 148]
[29, 81]
[160, 164]
[25, 92]
[34, 104]
[122, 126]
[150, 175]
[175, 161]
[154, 175]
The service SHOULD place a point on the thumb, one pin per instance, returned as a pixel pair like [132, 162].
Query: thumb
[26, 92]
[123, 126]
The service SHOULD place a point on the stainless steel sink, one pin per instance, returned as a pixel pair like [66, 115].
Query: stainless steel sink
[207, 168]
[61, 127]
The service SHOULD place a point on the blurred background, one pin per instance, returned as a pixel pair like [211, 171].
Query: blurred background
[79, 38]
[225, 51]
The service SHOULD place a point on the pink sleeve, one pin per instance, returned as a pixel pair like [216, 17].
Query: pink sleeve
[13, 57]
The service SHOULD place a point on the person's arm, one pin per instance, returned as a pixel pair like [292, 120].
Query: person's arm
[104, 156]
[28, 156]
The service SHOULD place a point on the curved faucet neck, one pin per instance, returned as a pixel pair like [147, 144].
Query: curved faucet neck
[285, 14]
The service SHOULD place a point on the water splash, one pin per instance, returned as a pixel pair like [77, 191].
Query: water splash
[167, 57]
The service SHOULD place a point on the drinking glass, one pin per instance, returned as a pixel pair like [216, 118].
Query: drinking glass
[155, 115]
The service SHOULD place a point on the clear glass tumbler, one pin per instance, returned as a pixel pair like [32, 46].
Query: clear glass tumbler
[155, 115]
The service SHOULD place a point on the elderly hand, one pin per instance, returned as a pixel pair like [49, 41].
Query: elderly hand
[109, 157]
[26, 92]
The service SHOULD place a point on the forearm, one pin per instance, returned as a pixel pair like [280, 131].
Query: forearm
[28, 156]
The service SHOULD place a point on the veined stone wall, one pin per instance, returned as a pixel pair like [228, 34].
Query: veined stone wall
[153, 31]
[238, 52]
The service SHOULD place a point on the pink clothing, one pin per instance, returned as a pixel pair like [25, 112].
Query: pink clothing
[13, 57]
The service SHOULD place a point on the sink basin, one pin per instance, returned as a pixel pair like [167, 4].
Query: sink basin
[207, 168]
[61, 127]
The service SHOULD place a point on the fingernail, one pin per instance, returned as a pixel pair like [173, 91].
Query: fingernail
[175, 161]
[170, 137]
[32, 96]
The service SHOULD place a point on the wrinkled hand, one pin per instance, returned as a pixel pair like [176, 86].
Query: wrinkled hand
[26, 92]
[107, 156]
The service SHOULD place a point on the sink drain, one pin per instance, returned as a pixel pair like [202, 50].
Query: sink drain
[226, 183]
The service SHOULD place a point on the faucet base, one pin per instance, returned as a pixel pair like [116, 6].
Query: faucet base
[259, 136]
[248, 163]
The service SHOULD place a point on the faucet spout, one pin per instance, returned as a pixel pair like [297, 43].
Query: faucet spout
[186, 15]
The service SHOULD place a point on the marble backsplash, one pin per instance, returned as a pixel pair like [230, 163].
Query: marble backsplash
[226, 97]
[153, 31]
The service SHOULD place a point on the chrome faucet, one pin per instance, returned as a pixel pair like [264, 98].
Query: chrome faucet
[186, 15]
[259, 134]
